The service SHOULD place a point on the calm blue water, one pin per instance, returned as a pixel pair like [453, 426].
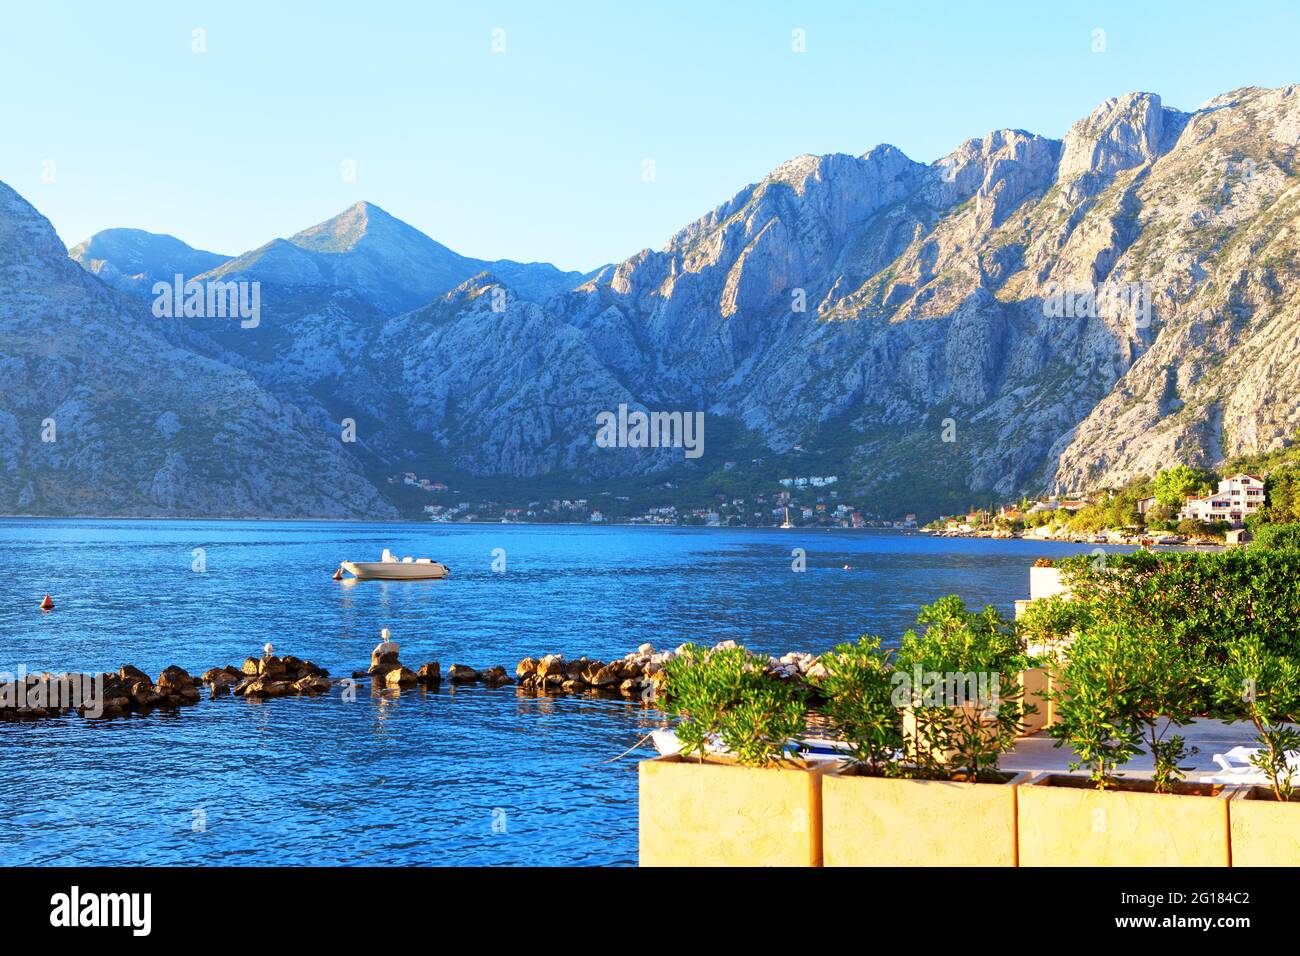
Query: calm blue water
[470, 776]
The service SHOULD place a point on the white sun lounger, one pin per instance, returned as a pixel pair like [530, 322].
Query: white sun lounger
[1235, 767]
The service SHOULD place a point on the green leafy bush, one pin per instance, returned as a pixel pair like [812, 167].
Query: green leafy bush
[1197, 599]
[1276, 537]
[976, 658]
[1049, 624]
[859, 702]
[728, 694]
[1174, 484]
[1264, 688]
[1125, 689]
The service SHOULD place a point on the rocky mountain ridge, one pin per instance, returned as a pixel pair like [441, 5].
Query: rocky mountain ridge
[1024, 313]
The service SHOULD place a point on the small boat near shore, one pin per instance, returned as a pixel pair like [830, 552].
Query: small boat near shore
[390, 568]
[808, 749]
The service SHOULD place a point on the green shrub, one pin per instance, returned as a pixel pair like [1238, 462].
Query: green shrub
[1048, 622]
[1125, 688]
[1276, 537]
[859, 702]
[1197, 599]
[728, 694]
[958, 647]
[1263, 687]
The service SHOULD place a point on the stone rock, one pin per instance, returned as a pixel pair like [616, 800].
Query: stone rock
[526, 668]
[312, 684]
[143, 695]
[551, 664]
[495, 676]
[646, 649]
[251, 666]
[272, 667]
[129, 672]
[173, 679]
[605, 676]
[462, 674]
[430, 673]
[381, 662]
[400, 677]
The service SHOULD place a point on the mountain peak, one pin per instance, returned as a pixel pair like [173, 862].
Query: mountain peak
[1123, 132]
[345, 231]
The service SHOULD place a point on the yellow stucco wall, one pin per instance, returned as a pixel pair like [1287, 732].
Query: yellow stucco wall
[1065, 826]
[716, 814]
[1264, 832]
[874, 821]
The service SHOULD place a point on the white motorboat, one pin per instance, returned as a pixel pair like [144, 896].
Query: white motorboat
[391, 568]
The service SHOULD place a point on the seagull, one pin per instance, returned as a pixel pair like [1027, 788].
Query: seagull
[267, 647]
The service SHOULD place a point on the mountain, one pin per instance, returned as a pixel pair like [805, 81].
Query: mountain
[1024, 313]
[102, 415]
[931, 299]
[132, 260]
[387, 263]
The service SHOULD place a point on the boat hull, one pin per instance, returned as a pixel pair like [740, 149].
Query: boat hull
[395, 571]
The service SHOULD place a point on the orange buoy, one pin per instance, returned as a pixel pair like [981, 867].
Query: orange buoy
[338, 573]
[47, 604]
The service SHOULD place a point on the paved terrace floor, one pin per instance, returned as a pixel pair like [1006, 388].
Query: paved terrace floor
[1040, 753]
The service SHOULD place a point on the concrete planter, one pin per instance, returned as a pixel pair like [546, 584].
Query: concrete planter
[1064, 821]
[1265, 831]
[879, 821]
[718, 813]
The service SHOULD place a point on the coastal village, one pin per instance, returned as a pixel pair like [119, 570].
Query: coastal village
[813, 501]
[1181, 505]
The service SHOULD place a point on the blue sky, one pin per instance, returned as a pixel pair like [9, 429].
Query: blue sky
[538, 152]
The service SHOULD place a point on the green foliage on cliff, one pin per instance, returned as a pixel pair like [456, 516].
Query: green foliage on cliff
[1174, 484]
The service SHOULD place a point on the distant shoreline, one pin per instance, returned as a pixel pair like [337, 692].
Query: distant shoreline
[1083, 539]
[452, 524]
[620, 524]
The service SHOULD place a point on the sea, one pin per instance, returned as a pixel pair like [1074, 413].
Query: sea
[448, 776]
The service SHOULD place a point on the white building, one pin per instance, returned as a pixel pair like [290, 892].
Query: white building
[1238, 497]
